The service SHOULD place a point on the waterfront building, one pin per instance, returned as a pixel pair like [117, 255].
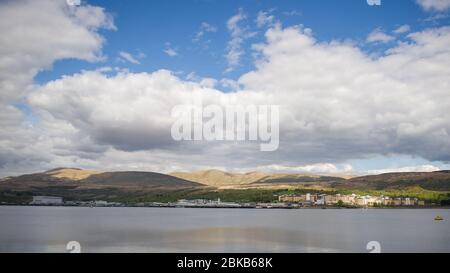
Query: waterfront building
[330, 199]
[408, 202]
[361, 201]
[320, 202]
[398, 202]
[101, 203]
[206, 203]
[292, 198]
[46, 200]
[346, 199]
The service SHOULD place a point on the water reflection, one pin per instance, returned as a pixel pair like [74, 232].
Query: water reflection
[48, 229]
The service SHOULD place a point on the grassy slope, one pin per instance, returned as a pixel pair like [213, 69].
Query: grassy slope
[217, 178]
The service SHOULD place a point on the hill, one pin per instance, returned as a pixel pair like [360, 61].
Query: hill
[217, 178]
[435, 181]
[138, 180]
[84, 179]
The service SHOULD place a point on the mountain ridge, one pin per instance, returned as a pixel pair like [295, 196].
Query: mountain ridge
[89, 179]
[218, 178]
[141, 180]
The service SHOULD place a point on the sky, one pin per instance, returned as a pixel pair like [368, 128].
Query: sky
[362, 89]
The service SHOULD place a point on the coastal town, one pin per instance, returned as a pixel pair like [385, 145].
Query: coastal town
[289, 201]
[349, 200]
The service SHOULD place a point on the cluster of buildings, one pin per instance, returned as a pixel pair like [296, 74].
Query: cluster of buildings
[47, 200]
[284, 201]
[204, 203]
[349, 200]
[58, 201]
[198, 203]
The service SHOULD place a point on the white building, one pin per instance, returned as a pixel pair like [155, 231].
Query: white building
[46, 200]
[101, 203]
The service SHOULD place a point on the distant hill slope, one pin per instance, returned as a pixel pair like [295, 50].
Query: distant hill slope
[78, 179]
[71, 173]
[298, 178]
[138, 179]
[219, 178]
[84, 179]
[436, 181]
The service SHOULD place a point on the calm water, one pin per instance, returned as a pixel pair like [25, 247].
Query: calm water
[48, 229]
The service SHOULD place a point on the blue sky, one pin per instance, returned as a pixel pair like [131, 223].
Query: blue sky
[58, 95]
[150, 27]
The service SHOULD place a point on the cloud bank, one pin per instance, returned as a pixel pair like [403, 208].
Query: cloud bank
[336, 102]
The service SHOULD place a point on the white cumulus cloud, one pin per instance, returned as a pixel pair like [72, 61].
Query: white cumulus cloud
[402, 29]
[204, 29]
[238, 35]
[378, 36]
[264, 18]
[170, 52]
[434, 5]
[126, 56]
[32, 40]
[421, 168]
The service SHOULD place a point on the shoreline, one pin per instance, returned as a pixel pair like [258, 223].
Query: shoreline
[244, 207]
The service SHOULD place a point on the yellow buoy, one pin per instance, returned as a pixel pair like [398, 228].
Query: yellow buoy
[438, 218]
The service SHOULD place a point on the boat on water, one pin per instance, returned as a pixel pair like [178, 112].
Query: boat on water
[438, 218]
